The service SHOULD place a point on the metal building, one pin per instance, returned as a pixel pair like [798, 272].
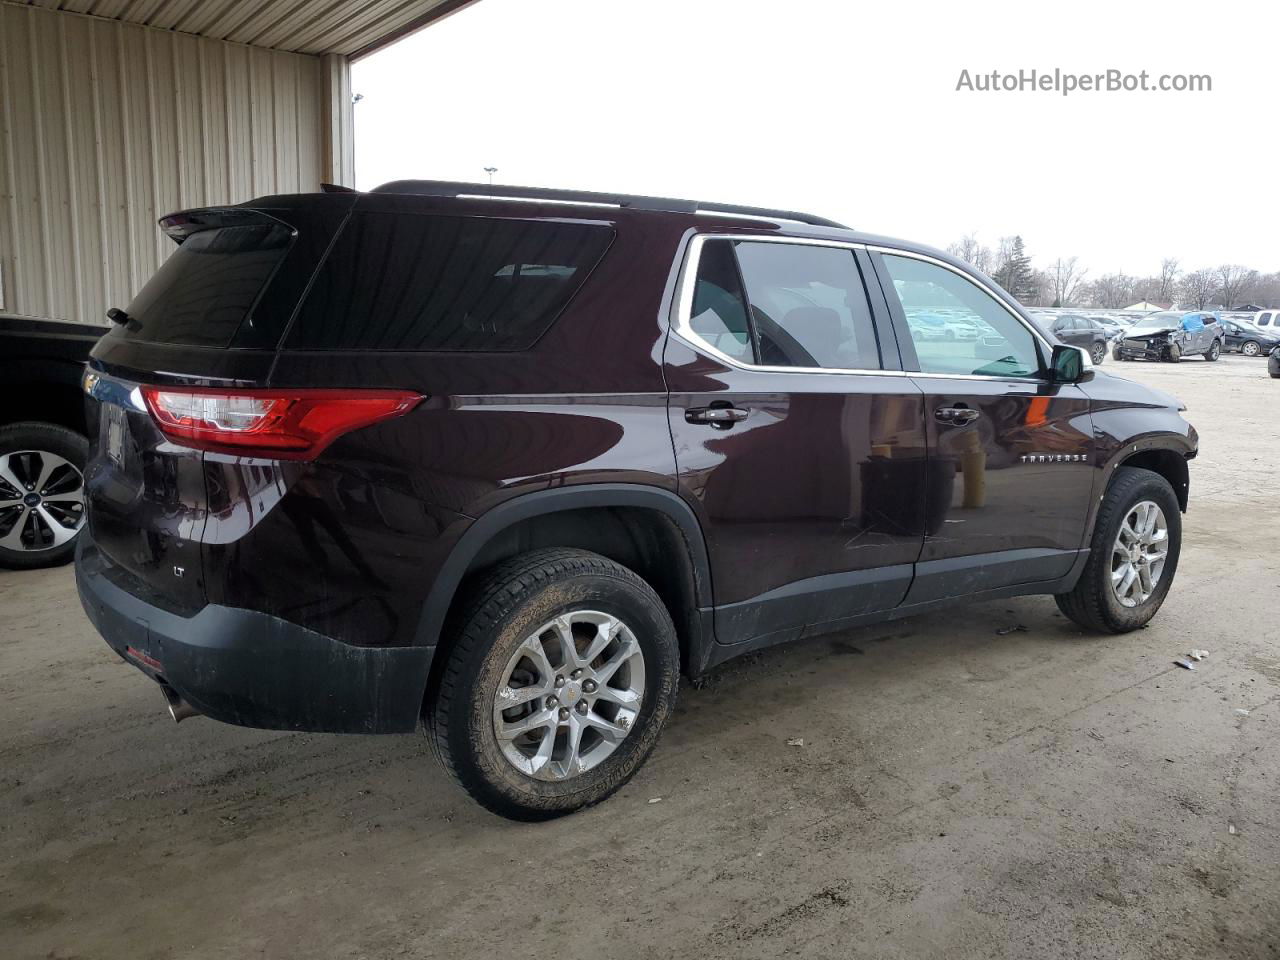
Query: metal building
[115, 112]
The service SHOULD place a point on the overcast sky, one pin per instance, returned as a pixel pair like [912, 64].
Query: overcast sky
[851, 111]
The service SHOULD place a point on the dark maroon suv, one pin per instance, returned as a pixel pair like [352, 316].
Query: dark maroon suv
[510, 461]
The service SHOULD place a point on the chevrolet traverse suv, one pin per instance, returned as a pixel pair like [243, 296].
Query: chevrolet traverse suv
[510, 461]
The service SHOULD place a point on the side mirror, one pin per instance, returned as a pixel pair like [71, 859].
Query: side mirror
[1070, 364]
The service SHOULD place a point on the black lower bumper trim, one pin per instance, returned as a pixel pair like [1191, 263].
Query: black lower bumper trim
[256, 670]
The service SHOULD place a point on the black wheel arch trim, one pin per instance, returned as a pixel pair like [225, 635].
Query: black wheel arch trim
[492, 522]
[1183, 447]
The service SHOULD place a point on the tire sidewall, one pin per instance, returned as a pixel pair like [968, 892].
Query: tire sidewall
[1157, 490]
[1244, 348]
[67, 444]
[651, 626]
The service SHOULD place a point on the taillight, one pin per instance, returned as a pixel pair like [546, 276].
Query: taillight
[280, 424]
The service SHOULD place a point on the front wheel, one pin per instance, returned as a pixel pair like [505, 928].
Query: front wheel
[1215, 351]
[1133, 555]
[563, 674]
[1099, 353]
[1250, 348]
[1173, 354]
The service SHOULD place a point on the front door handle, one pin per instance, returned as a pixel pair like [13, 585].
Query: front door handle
[722, 416]
[957, 415]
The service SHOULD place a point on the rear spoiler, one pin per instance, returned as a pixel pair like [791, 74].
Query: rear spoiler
[179, 226]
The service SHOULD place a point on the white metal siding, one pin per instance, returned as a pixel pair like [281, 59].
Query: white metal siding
[106, 126]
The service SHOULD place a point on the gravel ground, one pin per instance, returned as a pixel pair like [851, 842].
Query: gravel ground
[959, 793]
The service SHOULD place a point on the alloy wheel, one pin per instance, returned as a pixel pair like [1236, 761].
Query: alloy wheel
[1250, 349]
[41, 500]
[569, 695]
[1138, 554]
[1099, 353]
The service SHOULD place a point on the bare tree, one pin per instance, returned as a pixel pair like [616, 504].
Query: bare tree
[1233, 281]
[1112, 291]
[1065, 278]
[1197, 288]
[1168, 280]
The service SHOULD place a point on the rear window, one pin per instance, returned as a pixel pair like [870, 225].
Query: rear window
[417, 282]
[208, 286]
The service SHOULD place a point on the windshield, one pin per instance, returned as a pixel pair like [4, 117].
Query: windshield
[1158, 321]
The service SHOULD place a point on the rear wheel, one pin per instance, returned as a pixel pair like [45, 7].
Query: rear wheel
[1133, 555]
[1215, 351]
[1099, 353]
[1250, 348]
[41, 494]
[563, 675]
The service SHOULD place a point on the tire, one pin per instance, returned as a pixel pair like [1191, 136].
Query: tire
[1118, 356]
[1250, 348]
[1173, 354]
[1215, 351]
[1099, 353]
[25, 448]
[1093, 603]
[501, 616]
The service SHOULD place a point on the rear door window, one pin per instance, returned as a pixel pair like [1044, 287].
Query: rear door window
[808, 306]
[420, 282]
[208, 286]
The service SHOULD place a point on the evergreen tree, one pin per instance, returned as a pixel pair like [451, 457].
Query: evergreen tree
[1016, 275]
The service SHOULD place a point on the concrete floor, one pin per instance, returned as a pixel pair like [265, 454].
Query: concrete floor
[958, 793]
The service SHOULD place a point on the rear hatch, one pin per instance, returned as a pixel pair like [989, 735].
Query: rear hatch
[211, 316]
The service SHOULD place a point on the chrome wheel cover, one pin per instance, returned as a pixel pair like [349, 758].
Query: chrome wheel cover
[569, 695]
[1250, 349]
[1139, 553]
[41, 500]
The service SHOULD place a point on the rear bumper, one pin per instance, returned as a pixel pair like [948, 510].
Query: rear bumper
[253, 669]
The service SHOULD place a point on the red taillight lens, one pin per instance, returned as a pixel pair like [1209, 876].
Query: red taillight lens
[280, 424]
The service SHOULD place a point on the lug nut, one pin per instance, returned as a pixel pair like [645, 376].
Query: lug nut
[564, 713]
[559, 681]
[552, 701]
[582, 706]
[575, 675]
[589, 686]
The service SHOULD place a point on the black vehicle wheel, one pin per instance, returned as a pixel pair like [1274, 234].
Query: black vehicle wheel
[564, 672]
[1250, 348]
[1215, 351]
[1133, 555]
[1117, 355]
[41, 494]
[1173, 354]
[1099, 353]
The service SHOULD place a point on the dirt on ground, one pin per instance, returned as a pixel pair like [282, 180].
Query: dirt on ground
[935, 787]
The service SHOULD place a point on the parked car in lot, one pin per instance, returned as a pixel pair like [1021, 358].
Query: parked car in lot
[42, 442]
[1267, 319]
[1170, 336]
[387, 470]
[1081, 332]
[1242, 337]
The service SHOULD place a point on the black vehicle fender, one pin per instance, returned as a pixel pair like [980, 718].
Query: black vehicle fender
[1166, 453]
[493, 522]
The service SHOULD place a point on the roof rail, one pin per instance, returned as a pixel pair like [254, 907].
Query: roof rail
[453, 188]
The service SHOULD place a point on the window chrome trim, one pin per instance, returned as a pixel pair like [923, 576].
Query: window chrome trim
[682, 308]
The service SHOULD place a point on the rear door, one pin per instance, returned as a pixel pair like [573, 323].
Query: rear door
[1010, 452]
[798, 439]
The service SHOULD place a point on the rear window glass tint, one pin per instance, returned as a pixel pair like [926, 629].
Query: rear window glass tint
[208, 286]
[417, 282]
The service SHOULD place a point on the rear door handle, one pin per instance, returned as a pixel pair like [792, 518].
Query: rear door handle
[956, 414]
[718, 416]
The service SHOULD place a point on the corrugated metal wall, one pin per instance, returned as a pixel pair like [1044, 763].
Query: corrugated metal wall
[105, 127]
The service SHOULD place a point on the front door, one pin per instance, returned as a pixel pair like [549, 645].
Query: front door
[1011, 450]
[801, 449]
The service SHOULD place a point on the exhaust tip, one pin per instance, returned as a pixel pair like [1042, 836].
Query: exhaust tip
[179, 709]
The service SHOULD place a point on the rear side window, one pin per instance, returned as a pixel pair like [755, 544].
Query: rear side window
[808, 306]
[417, 282]
[208, 286]
[719, 305]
